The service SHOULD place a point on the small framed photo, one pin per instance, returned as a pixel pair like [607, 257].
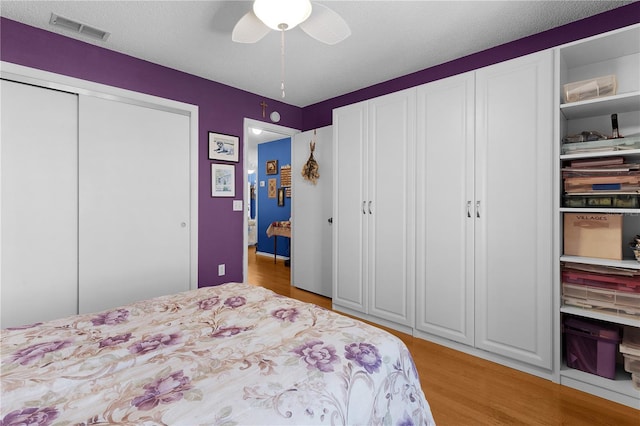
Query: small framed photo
[281, 192]
[223, 147]
[272, 167]
[223, 180]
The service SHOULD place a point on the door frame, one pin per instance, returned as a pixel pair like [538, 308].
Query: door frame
[248, 125]
[37, 77]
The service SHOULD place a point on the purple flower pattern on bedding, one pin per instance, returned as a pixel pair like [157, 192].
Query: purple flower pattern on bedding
[317, 355]
[33, 353]
[286, 314]
[115, 340]
[365, 355]
[163, 391]
[152, 343]
[112, 317]
[30, 417]
[230, 354]
[208, 303]
[235, 301]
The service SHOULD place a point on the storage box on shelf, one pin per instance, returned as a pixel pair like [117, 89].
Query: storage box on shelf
[590, 89]
[630, 349]
[591, 346]
[601, 179]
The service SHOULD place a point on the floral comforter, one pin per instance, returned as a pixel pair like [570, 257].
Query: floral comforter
[225, 355]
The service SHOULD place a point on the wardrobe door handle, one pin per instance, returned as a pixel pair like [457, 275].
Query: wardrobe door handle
[468, 208]
[363, 204]
[370, 207]
[478, 209]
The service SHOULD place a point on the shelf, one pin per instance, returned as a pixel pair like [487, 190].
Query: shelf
[626, 263]
[622, 383]
[598, 210]
[624, 102]
[626, 153]
[590, 313]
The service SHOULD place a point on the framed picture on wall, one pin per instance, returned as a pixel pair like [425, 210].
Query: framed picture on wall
[223, 180]
[223, 147]
[272, 167]
[281, 192]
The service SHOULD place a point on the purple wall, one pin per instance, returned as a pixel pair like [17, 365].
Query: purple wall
[319, 115]
[221, 109]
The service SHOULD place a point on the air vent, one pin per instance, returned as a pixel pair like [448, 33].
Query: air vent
[78, 27]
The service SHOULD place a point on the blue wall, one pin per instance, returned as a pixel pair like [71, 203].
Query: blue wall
[268, 209]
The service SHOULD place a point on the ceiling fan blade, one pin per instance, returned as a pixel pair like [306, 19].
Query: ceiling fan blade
[325, 25]
[249, 29]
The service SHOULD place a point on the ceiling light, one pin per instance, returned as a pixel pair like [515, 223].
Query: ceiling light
[256, 131]
[282, 14]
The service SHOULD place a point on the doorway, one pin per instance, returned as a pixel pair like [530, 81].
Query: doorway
[255, 133]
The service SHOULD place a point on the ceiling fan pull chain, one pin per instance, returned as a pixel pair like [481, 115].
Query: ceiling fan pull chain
[282, 63]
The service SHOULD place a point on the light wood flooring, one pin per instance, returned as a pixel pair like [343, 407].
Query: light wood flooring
[465, 390]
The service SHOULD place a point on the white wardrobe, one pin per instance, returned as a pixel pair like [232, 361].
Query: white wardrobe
[374, 203]
[443, 211]
[96, 203]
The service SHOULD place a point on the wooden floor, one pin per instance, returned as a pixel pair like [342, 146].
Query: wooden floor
[465, 390]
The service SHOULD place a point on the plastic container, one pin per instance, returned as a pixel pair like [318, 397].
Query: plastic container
[632, 364]
[590, 89]
[591, 346]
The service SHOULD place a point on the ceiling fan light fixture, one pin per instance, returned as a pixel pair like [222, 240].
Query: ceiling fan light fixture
[282, 14]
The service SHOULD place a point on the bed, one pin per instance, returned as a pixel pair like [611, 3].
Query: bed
[224, 355]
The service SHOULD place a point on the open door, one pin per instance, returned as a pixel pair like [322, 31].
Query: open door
[311, 211]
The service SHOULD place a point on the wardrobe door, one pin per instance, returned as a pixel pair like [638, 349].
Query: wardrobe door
[39, 204]
[445, 208]
[391, 206]
[514, 228]
[349, 204]
[134, 203]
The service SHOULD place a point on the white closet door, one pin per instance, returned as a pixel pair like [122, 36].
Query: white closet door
[349, 188]
[444, 265]
[39, 204]
[514, 225]
[134, 203]
[391, 210]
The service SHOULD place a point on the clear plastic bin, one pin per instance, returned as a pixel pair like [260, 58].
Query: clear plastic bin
[590, 89]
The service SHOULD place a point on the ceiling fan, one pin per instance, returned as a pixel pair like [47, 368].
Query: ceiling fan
[316, 20]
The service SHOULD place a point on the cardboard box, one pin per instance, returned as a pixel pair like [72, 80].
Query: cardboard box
[593, 235]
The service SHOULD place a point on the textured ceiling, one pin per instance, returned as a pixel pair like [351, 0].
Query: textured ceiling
[389, 38]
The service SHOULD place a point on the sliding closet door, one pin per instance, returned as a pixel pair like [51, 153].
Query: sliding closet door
[134, 203]
[39, 204]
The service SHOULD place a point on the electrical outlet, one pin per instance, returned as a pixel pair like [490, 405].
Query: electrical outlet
[221, 271]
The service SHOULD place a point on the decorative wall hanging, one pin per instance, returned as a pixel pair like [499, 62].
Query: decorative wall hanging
[280, 197]
[311, 167]
[223, 180]
[223, 147]
[272, 167]
[285, 175]
[288, 193]
[273, 187]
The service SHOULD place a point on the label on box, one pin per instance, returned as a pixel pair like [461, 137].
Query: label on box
[593, 235]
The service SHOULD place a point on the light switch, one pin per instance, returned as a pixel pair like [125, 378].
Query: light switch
[262, 184]
[237, 205]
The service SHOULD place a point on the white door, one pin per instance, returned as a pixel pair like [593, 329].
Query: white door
[312, 211]
[39, 204]
[514, 184]
[134, 203]
[391, 206]
[349, 204]
[445, 208]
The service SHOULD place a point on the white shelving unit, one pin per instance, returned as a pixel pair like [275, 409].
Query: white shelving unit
[615, 53]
